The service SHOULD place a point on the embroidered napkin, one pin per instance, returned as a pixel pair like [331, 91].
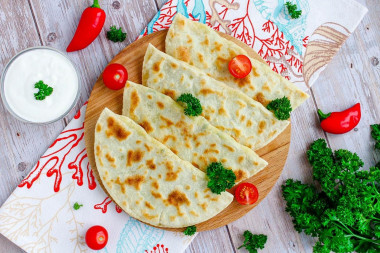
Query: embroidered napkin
[39, 215]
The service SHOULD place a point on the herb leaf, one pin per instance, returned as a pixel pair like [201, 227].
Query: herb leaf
[281, 108]
[190, 230]
[376, 135]
[292, 9]
[77, 206]
[220, 178]
[345, 214]
[253, 242]
[194, 107]
[44, 90]
[116, 35]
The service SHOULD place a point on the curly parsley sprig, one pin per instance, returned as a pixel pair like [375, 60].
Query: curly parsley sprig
[219, 177]
[44, 90]
[190, 230]
[292, 9]
[376, 135]
[253, 242]
[345, 214]
[116, 35]
[194, 107]
[281, 108]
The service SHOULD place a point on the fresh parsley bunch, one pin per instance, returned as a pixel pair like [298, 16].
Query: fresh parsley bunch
[116, 35]
[253, 242]
[345, 214]
[281, 108]
[292, 9]
[194, 107]
[44, 90]
[190, 230]
[220, 178]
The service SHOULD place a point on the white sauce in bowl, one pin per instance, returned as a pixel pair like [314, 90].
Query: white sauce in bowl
[53, 69]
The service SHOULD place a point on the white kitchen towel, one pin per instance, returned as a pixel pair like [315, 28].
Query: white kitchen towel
[39, 215]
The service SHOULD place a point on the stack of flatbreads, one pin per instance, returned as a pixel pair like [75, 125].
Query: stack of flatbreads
[152, 160]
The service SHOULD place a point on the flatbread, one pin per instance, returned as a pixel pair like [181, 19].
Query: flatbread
[192, 139]
[147, 180]
[202, 47]
[228, 109]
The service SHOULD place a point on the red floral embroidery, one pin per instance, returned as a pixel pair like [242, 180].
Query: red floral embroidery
[159, 248]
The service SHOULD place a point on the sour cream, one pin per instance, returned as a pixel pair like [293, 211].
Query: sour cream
[34, 65]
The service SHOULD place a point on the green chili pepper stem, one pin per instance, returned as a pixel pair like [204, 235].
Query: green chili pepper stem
[96, 4]
[322, 115]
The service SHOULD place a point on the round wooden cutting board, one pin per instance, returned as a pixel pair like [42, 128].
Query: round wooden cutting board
[275, 153]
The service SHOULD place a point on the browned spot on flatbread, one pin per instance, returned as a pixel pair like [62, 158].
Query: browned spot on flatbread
[157, 65]
[110, 158]
[213, 145]
[148, 205]
[135, 100]
[157, 195]
[189, 39]
[134, 156]
[151, 165]
[206, 92]
[167, 121]
[241, 82]
[221, 63]
[254, 72]
[206, 42]
[259, 97]
[241, 159]
[172, 218]
[249, 123]
[161, 75]
[115, 129]
[160, 105]
[174, 66]
[149, 96]
[175, 151]
[262, 126]
[231, 149]
[266, 87]
[147, 147]
[98, 128]
[195, 165]
[155, 185]
[183, 53]
[171, 175]
[222, 111]
[204, 206]
[148, 216]
[99, 154]
[218, 46]
[200, 57]
[138, 142]
[147, 126]
[194, 178]
[187, 187]
[211, 150]
[167, 137]
[194, 213]
[237, 132]
[170, 93]
[240, 175]
[196, 195]
[177, 198]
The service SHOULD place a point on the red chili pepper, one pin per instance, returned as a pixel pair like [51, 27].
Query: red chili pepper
[89, 27]
[341, 122]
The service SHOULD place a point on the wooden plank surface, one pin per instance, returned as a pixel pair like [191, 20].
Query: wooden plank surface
[353, 76]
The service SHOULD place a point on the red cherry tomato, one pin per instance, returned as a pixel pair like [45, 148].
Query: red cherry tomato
[246, 194]
[115, 76]
[240, 66]
[96, 237]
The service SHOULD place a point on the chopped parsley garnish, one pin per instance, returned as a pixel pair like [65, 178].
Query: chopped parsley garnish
[44, 90]
[116, 35]
[292, 9]
[253, 242]
[344, 215]
[193, 107]
[281, 108]
[190, 230]
[376, 135]
[77, 206]
[219, 178]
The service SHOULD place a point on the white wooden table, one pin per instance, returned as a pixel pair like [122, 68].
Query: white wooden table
[353, 76]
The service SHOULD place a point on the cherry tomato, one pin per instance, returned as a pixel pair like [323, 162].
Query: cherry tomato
[240, 66]
[115, 76]
[246, 194]
[96, 237]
